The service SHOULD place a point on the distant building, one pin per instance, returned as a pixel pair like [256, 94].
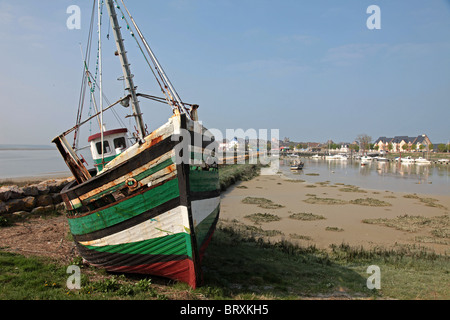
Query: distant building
[345, 147]
[396, 144]
[226, 145]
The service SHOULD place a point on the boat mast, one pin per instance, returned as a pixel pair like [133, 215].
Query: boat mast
[169, 86]
[100, 74]
[126, 70]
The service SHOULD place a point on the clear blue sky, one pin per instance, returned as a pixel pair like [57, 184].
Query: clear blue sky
[310, 68]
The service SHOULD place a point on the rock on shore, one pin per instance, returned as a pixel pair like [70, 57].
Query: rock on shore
[36, 199]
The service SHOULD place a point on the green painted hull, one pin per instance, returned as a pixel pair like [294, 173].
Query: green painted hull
[149, 213]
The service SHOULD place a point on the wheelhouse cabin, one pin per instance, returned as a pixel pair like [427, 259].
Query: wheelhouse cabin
[114, 143]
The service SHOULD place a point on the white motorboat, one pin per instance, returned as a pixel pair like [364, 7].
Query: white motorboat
[340, 157]
[407, 160]
[421, 160]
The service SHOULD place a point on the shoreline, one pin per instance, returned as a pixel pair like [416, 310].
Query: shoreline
[337, 212]
[36, 178]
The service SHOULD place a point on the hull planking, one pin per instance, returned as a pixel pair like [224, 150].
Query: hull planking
[149, 211]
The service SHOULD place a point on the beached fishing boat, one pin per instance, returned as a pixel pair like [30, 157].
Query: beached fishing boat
[151, 203]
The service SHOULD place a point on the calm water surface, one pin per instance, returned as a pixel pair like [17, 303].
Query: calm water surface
[391, 176]
[28, 163]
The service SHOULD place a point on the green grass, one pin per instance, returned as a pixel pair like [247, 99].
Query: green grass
[232, 173]
[335, 229]
[429, 202]
[262, 202]
[243, 266]
[299, 236]
[35, 278]
[306, 216]
[30, 278]
[350, 188]
[258, 218]
[371, 202]
[437, 228]
[327, 201]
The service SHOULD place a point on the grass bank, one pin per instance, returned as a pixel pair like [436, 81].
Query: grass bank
[241, 265]
[232, 173]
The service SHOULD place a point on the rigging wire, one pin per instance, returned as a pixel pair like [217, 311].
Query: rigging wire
[90, 81]
[169, 98]
[170, 89]
[84, 79]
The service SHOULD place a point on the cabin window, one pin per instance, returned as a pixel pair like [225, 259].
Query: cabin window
[106, 147]
[120, 143]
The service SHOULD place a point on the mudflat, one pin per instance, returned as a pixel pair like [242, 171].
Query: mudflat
[323, 214]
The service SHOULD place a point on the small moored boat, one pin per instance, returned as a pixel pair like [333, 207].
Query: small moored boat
[407, 160]
[297, 165]
[421, 160]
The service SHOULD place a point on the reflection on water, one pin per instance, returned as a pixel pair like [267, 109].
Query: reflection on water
[391, 176]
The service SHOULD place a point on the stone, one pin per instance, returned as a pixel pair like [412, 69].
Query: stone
[31, 191]
[42, 211]
[38, 211]
[15, 205]
[44, 200]
[60, 207]
[29, 203]
[57, 198]
[21, 214]
[43, 188]
[50, 208]
[10, 192]
[2, 207]
[57, 185]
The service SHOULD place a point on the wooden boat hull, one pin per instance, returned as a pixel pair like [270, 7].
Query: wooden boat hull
[149, 212]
